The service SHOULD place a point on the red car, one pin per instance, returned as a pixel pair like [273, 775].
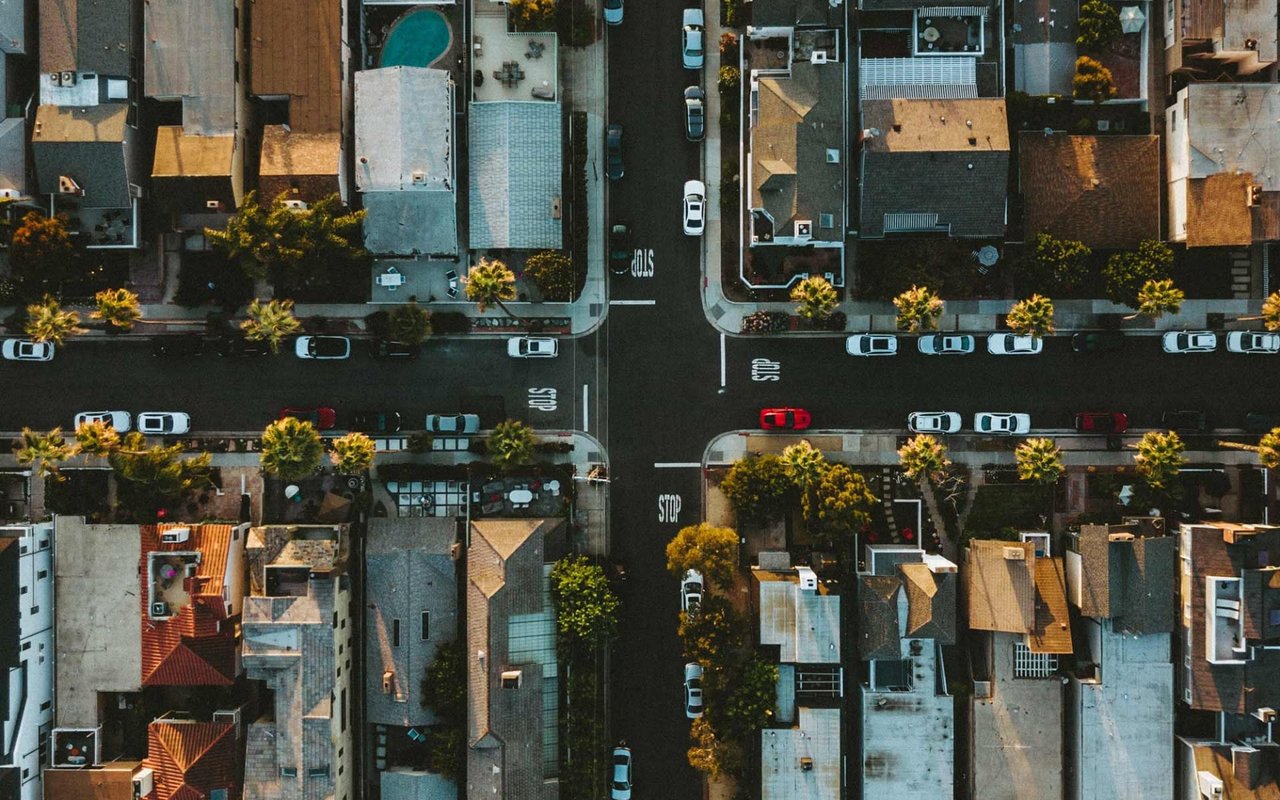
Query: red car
[1102, 422]
[322, 417]
[796, 419]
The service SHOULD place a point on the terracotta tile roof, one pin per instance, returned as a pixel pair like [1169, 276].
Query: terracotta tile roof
[1218, 210]
[192, 758]
[1000, 577]
[1052, 633]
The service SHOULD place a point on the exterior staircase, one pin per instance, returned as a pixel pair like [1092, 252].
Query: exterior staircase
[1241, 274]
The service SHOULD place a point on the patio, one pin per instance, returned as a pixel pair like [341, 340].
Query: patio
[956, 33]
[510, 66]
[518, 497]
[395, 281]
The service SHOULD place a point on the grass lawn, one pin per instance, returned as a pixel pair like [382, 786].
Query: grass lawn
[998, 508]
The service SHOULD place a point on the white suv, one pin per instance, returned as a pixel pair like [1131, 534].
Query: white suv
[532, 347]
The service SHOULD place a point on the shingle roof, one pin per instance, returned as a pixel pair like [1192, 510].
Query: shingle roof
[86, 36]
[878, 625]
[295, 50]
[1001, 587]
[191, 758]
[294, 153]
[1218, 210]
[1052, 632]
[1130, 582]
[1215, 759]
[179, 155]
[515, 156]
[86, 144]
[112, 781]
[190, 54]
[931, 603]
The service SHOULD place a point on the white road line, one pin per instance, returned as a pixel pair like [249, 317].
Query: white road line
[721, 360]
[586, 399]
[676, 465]
[633, 302]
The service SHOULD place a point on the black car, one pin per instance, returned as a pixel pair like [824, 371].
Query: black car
[185, 345]
[240, 346]
[390, 348]
[1189, 421]
[614, 146]
[1097, 342]
[694, 113]
[374, 421]
[620, 249]
[1261, 422]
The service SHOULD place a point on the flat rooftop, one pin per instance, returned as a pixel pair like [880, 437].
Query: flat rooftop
[908, 739]
[817, 738]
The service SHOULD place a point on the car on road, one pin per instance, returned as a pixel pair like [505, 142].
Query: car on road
[1186, 421]
[1189, 341]
[792, 419]
[1101, 422]
[942, 344]
[691, 44]
[453, 423]
[1001, 423]
[1097, 341]
[164, 422]
[620, 774]
[178, 346]
[1011, 344]
[1261, 421]
[612, 12]
[26, 350]
[1253, 342]
[236, 345]
[695, 207]
[323, 347]
[691, 591]
[120, 420]
[532, 347]
[322, 417]
[374, 421]
[695, 113]
[693, 690]
[871, 344]
[620, 249]
[390, 348]
[613, 148]
[933, 422]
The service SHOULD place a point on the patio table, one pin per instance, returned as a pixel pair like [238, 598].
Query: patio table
[521, 496]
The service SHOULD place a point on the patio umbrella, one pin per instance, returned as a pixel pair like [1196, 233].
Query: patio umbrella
[1132, 19]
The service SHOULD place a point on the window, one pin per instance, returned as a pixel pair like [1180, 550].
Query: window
[35, 609]
[44, 573]
[288, 772]
[826, 221]
[395, 633]
[23, 590]
[217, 794]
[26, 645]
[335, 619]
[426, 625]
[1027, 664]
[318, 772]
[343, 711]
[45, 705]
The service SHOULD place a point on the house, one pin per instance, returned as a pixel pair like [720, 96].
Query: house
[934, 166]
[515, 151]
[192, 64]
[1100, 190]
[1244, 769]
[1223, 163]
[1119, 706]
[26, 656]
[512, 673]
[405, 161]
[1015, 591]
[1207, 41]
[190, 758]
[13, 124]
[907, 613]
[115, 780]
[298, 640]
[803, 762]
[85, 140]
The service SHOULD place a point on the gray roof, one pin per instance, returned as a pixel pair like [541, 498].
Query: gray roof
[13, 154]
[13, 27]
[931, 603]
[805, 624]
[190, 54]
[515, 154]
[407, 784]
[878, 625]
[411, 223]
[404, 125]
[789, 13]
[816, 737]
[88, 145]
[1133, 583]
[86, 36]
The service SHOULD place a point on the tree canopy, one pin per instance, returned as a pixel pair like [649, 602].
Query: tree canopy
[924, 457]
[1039, 461]
[918, 309]
[266, 239]
[270, 322]
[1092, 81]
[553, 272]
[759, 488]
[1126, 272]
[815, 298]
[1032, 317]
[511, 444]
[586, 607]
[41, 251]
[46, 451]
[410, 324]
[291, 449]
[839, 505]
[804, 464]
[490, 282]
[1099, 25]
[352, 454]
[1159, 457]
[47, 321]
[710, 550]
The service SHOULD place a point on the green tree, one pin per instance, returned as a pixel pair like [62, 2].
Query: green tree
[730, 78]
[117, 307]
[1099, 25]
[1063, 262]
[96, 438]
[713, 634]
[1267, 448]
[352, 454]
[410, 324]
[446, 751]
[759, 488]
[152, 478]
[923, 457]
[710, 550]
[1157, 298]
[1270, 312]
[490, 282]
[1039, 461]
[1092, 81]
[511, 444]
[804, 464]
[839, 506]
[269, 239]
[918, 309]
[1032, 317]
[48, 322]
[46, 450]
[1127, 272]
[586, 608]
[270, 322]
[553, 273]
[1159, 457]
[291, 449]
[41, 251]
[443, 689]
[532, 15]
[709, 753]
[751, 701]
[815, 298]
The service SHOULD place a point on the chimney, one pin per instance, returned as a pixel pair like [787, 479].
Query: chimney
[1246, 764]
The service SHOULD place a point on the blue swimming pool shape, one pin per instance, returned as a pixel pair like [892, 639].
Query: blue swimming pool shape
[417, 39]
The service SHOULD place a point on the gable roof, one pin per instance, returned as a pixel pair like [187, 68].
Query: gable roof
[1052, 632]
[182, 155]
[1000, 577]
[192, 758]
[931, 603]
[878, 624]
[86, 144]
[1129, 582]
[86, 36]
[515, 157]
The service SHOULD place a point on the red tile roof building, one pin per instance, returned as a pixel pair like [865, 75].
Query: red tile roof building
[192, 759]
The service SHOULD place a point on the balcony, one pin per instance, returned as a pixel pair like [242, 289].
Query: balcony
[1224, 635]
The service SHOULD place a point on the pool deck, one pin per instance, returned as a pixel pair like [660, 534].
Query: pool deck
[492, 45]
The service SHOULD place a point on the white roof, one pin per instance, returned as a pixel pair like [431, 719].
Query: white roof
[404, 130]
[1232, 128]
[805, 624]
[818, 738]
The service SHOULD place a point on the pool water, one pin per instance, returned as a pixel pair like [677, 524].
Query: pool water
[417, 39]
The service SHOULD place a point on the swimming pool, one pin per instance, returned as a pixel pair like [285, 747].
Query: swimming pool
[417, 39]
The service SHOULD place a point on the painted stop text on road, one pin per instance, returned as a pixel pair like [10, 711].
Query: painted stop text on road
[542, 399]
[669, 506]
[762, 369]
[642, 263]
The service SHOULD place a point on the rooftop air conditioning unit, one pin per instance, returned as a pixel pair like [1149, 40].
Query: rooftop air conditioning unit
[144, 783]
[806, 764]
[1121, 536]
[804, 229]
[808, 579]
[1014, 554]
[213, 205]
[818, 57]
[1104, 125]
[295, 205]
[175, 536]
[159, 610]
[68, 79]
[418, 177]
[1266, 714]
[982, 690]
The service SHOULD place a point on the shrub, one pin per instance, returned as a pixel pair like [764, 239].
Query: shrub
[1099, 25]
[1092, 81]
[728, 46]
[553, 272]
[730, 79]
[766, 322]
[581, 229]
[729, 13]
[532, 15]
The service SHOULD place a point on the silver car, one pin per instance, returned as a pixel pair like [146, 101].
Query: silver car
[942, 344]
[26, 350]
[933, 422]
[453, 423]
[692, 47]
[1189, 341]
[693, 690]
[120, 420]
[695, 207]
[620, 774]
[1253, 342]
[1011, 344]
[871, 344]
[164, 422]
[532, 347]
[1001, 423]
[691, 591]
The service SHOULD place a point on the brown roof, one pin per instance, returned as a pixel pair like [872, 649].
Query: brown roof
[936, 126]
[1001, 585]
[296, 51]
[931, 603]
[104, 123]
[307, 161]
[1218, 210]
[1216, 760]
[1101, 190]
[113, 781]
[192, 758]
[182, 156]
[878, 624]
[1052, 632]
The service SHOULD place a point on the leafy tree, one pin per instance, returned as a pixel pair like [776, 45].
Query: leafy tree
[1270, 312]
[553, 273]
[586, 608]
[1267, 448]
[1039, 461]
[291, 449]
[1092, 81]
[713, 634]
[270, 322]
[532, 15]
[923, 457]
[730, 79]
[1032, 317]
[96, 438]
[48, 322]
[839, 505]
[712, 551]
[46, 450]
[918, 309]
[269, 239]
[1127, 272]
[1099, 25]
[1157, 298]
[117, 307]
[709, 753]
[352, 454]
[151, 478]
[759, 488]
[511, 444]
[446, 751]
[409, 324]
[815, 298]
[804, 463]
[1159, 457]
[749, 705]
[444, 685]
[1065, 261]
[490, 282]
[41, 250]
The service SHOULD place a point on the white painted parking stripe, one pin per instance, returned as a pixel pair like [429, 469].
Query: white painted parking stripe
[676, 465]
[633, 302]
[586, 400]
[721, 360]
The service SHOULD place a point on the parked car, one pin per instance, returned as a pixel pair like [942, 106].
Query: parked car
[691, 591]
[453, 423]
[1261, 421]
[1253, 342]
[612, 12]
[793, 419]
[613, 161]
[374, 421]
[323, 347]
[322, 417]
[26, 350]
[1189, 341]
[532, 347]
[693, 690]
[933, 422]
[1001, 423]
[1097, 342]
[1187, 421]
[620, 777]
[164, 422]
[691, 45]
[390, 348]
[185, 345]
[695, 113]
[1011, 344]
[237, 345]
[1101, 422]
[871, 344]
[620, 252]
[941, 344]
[695, 207]
[120, 420]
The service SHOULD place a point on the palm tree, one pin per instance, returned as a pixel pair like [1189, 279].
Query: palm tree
[923, 457]
[815, 297]
[270, 322]
[511, 444]
[291, 449]
[1267, 448]
[97, 438]
[490, 282]
[1039, 461]
[47, 322]
[918, 309]
[1032, 317]
[1270, 312]
[46, 450]
[117, 307]
[1157, 298]
[1159, 457]
[409, 324]
[352, 454]
[804, 464]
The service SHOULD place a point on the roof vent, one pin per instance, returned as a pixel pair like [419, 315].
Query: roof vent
[1014, 554]
[808, 579]
[68, 79]
[833, 155]
[969, 165]
[973, 141]
[419, 178]
[804, 229]
[806, 764]
[818, 57]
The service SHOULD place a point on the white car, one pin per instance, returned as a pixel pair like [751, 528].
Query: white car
[620, 774]
[693, 690]
[695, 207]
[164, 422]
[942, 344]
[933, 422]
[1011, 344]
[1253, 342]
[532, 347]
[612, 12]
[691, 45]
[691, 591]
[453, 423]
[120, 420]
[1189, 342]
[871, 344]
[27, 350]
[323, 347]
[1001, 423]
